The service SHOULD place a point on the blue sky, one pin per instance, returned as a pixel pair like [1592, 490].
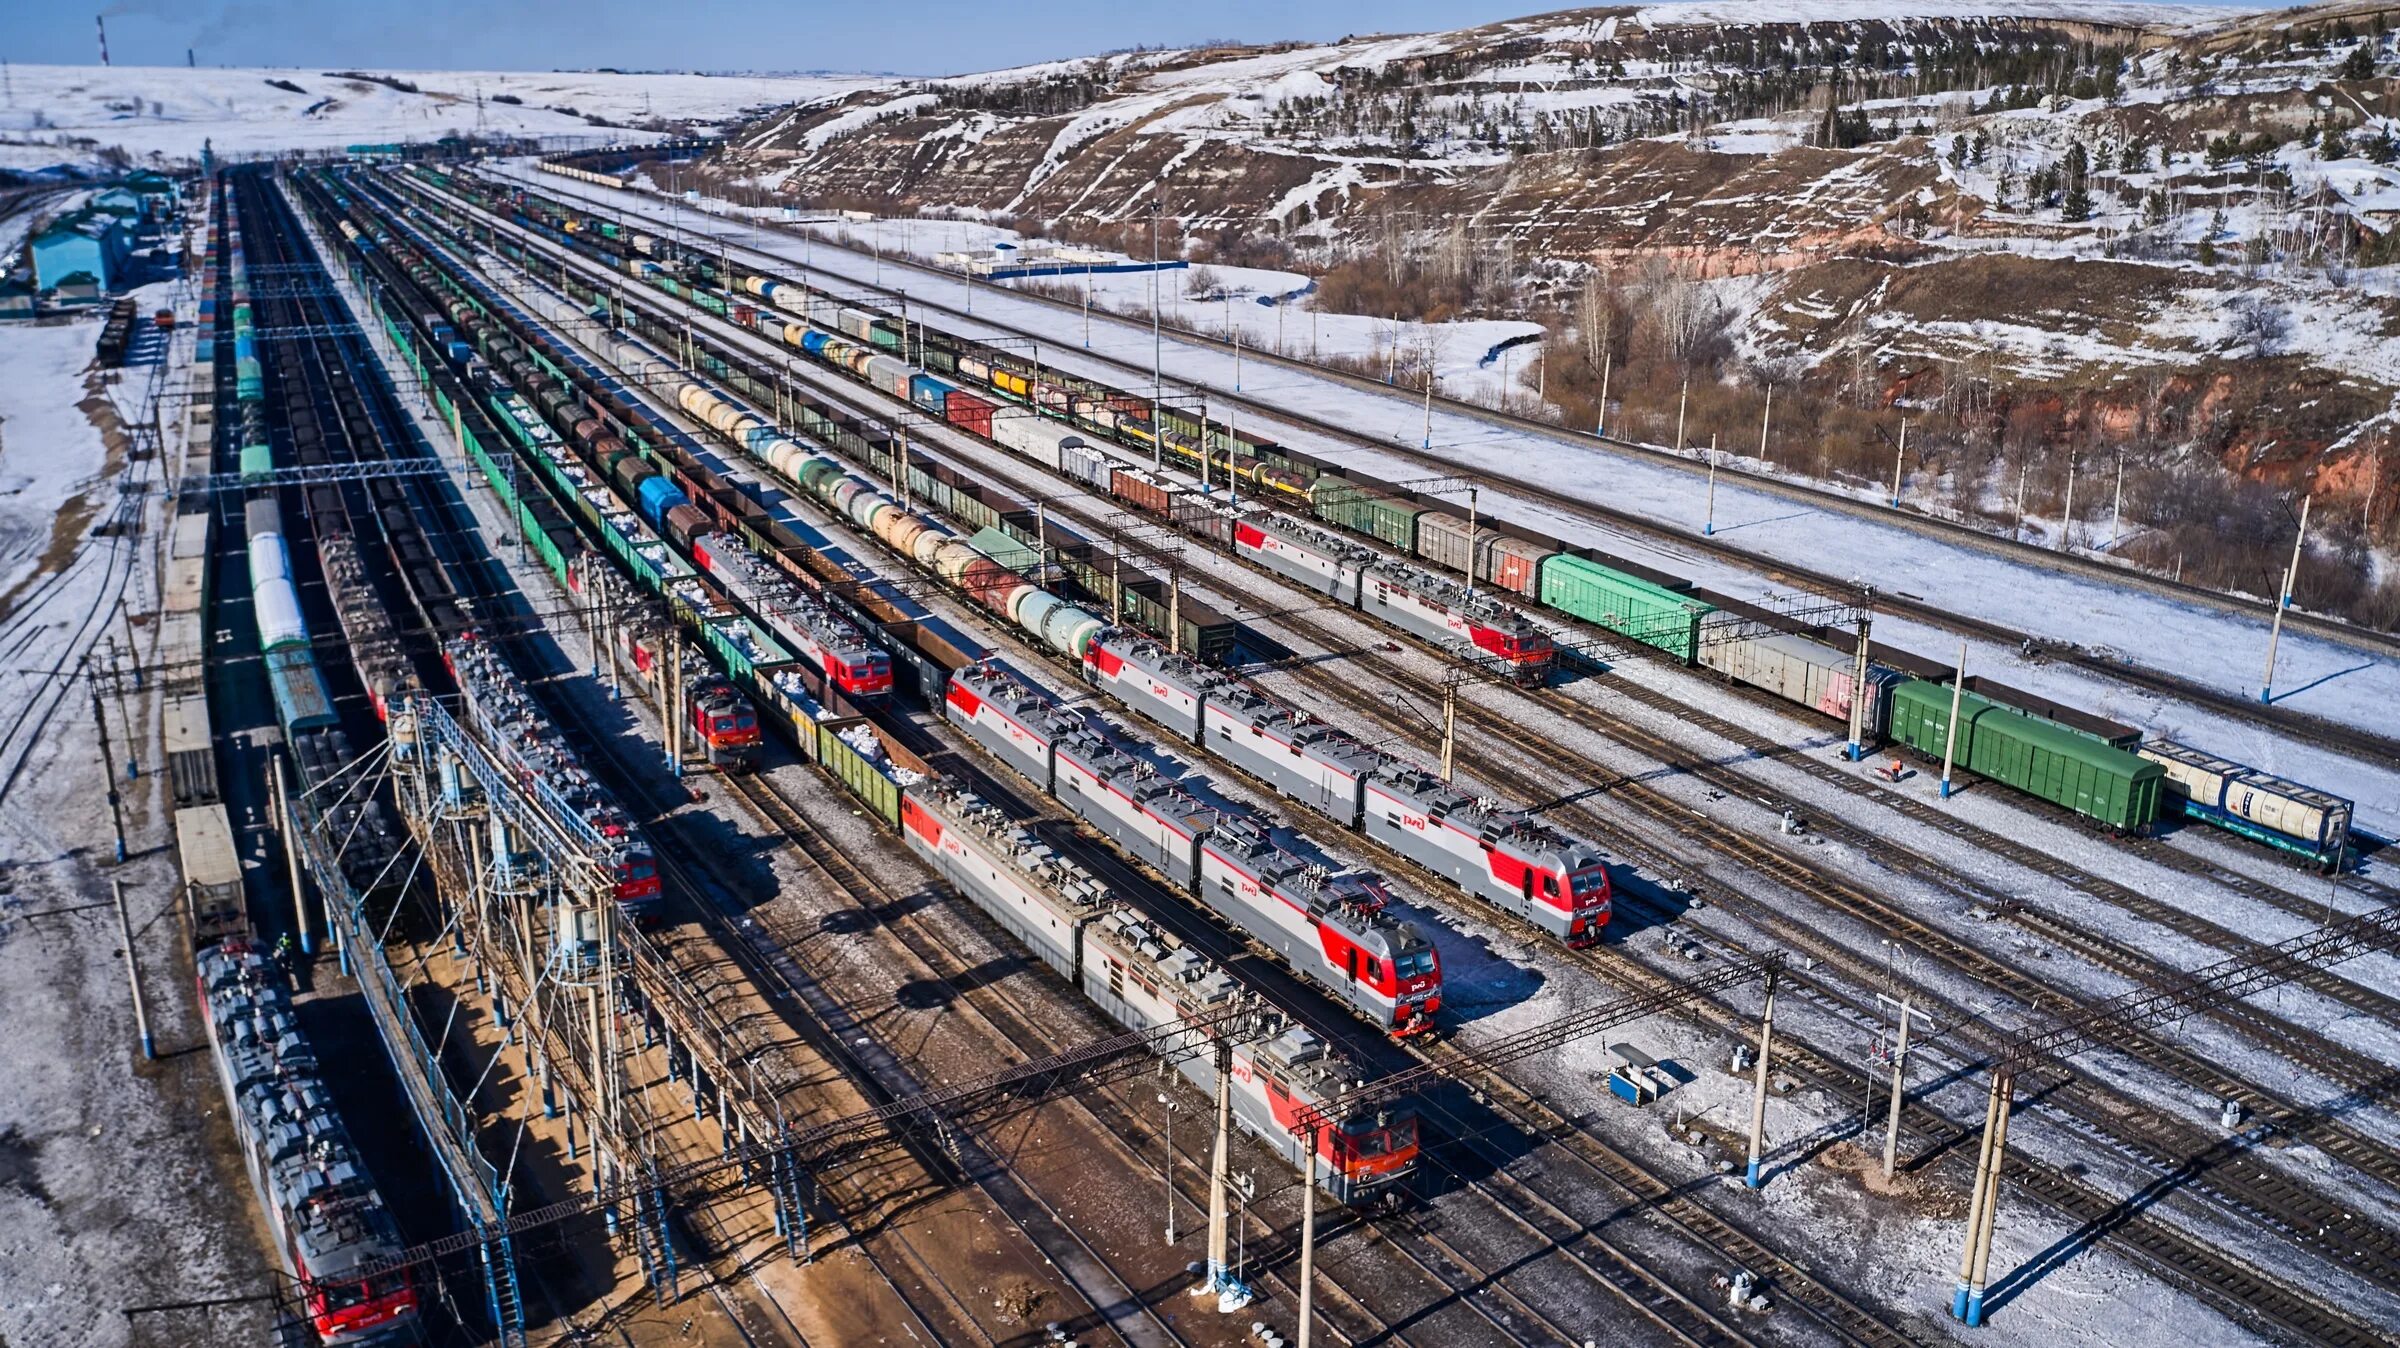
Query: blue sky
[920, 37]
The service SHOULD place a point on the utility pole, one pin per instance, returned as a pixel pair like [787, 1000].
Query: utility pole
[1230, 1293]
[2116, 514]
[133, 970]
[1237, 346]
[1682, 399]
[1449, 725]
[1763, 418]
[1899, 459]
[1858, 691]
[1891, 1127]
[1758, 1093]
[1709, 527]
[1308, 1236]
[1157, 426]
[1600, 422]
[287, 827]
[1958, 691]
[2066, 524]
[2021, 471]
[108, 773]
[1472, 494]
[1428, 444]
[1169, 1167]
[1974, 1263]
[2266, 689]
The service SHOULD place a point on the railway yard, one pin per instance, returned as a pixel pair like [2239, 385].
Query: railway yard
[714, 801]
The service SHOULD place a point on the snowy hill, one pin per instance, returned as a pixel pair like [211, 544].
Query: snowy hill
[76, 114]
[2047, 232]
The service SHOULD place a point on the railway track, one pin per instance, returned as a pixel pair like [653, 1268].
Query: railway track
[1656, 1299]
[2166, 1249]
[2356, 740]
[1637, 1189]
[439, 523]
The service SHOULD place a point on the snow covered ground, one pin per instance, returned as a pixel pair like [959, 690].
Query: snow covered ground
[2221, 650]
[109, 1196]
[1271, 309]
[163, 113]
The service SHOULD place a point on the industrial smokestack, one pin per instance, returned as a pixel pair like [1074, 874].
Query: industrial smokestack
[102, 21]
[188, 62]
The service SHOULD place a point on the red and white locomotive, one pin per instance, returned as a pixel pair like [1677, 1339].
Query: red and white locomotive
[1331, 929]
[717, 715]
[330, 1224]
[1502, 857]
[827, 641]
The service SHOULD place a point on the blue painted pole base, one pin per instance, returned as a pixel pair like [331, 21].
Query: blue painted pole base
[1958, 1302]
[1755, 1179]
[1853, 752]
[1708, 530]
[1945, 788]
[1975, 1308]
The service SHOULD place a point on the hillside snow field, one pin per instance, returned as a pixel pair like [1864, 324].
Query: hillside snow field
[164, 112]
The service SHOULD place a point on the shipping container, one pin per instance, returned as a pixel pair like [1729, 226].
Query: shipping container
[2038, 757]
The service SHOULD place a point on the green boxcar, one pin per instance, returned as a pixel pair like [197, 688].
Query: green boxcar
[1380, 517]
[2035, 756]
[258, 462]
[1627, 605]
[872, 785]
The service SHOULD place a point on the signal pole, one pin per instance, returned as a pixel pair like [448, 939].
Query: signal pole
[1958, 690]
[1682, 400]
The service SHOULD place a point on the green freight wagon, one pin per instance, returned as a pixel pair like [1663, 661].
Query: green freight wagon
[1627, 605]
[1348, 506]
[871, 782]
[2035, 756]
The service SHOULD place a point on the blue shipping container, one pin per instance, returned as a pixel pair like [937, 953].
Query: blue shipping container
[930, 393]
[657, 496]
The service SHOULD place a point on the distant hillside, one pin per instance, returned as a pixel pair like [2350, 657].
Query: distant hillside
[2043, 230]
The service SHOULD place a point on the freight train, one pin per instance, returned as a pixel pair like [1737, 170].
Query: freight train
[1285, 1084]
[329, 1224]
[1143, 977]
[1499, 856]
[1329, 929]
[518, 734]
[1638, 604]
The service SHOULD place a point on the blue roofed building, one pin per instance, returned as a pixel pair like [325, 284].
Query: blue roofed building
[92, 242]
